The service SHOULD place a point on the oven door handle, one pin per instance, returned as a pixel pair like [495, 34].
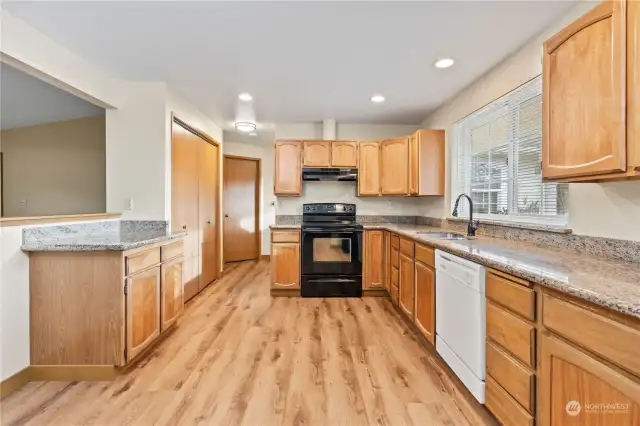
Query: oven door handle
[332, 280]
[329, 231]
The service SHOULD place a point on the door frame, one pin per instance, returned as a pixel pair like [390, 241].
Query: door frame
[258, 212]
[176, 120]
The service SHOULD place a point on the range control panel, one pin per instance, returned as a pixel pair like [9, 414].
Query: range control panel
[317, 208]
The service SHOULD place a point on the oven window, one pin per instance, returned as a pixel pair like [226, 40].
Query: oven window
[331, 249]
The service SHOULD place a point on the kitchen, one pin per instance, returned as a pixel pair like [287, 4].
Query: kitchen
[544, 327]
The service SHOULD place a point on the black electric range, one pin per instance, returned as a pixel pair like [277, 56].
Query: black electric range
[331, 251]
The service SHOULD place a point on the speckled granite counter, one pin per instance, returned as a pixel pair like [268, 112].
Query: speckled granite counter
[97, 236]
[610, 283]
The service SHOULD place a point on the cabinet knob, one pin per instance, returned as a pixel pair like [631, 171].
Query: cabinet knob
[209, 222]
[184, 226]
[226, 215]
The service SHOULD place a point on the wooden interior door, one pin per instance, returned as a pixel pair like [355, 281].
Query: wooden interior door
[633, 84]
[369, 169]
[285, 265]
[288, 168]
[241, 208]
[143, 310]
[584, 77]
[317, 154]
[373, 259]
[394, 165]
[184, 202]
[571, 378]
[209, 171]
[344, 154]
[171, 293]
[406, 285]
[425, 301]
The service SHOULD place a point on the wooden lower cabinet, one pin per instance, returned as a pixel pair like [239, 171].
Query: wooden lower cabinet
[373, 269]
[405, 299]
[579, 389]
[425, 301]
[285, 266]
[171, 293]
[143, 310]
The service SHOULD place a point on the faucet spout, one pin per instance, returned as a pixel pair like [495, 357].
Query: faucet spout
[473, 226]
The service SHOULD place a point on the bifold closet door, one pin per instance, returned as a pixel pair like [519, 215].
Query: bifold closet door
[209, 170]
[184, 205]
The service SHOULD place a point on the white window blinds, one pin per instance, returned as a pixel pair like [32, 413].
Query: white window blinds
[498, 161]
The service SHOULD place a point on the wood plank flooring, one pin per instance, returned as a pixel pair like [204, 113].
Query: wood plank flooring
[240, 357]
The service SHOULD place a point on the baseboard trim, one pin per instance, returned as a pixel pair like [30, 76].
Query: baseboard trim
[266, 257]
[279, 292]
[15, 382]
[67, 373]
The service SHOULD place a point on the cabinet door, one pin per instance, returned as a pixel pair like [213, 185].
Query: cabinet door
[369, 169]
[406, 285]
[387, 261]
[633, 84]
[208, 213]
[414, 168]
[285, 265]
[578, 389]
[317, 153]
[394, 165]
[344, 154]
[171, 293]
[288, 168]
[373, 259]
[426, 301]
[143, 310]
[584, 77]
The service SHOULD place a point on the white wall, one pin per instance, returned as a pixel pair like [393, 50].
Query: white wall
[267, 198]
[606, 210]
[373, 132]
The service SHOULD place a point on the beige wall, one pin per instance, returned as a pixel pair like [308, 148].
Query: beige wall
[606, 210]
[56, 168]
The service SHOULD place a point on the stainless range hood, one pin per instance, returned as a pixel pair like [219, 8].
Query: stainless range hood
[329, 174]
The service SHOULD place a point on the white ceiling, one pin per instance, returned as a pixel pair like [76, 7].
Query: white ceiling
[28, 101]
[302, 61]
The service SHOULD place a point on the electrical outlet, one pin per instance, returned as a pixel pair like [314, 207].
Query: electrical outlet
[128, 204]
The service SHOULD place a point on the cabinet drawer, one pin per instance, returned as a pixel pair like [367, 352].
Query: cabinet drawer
[505, 408]
[285, 236]
[426, 255]
[395, 258]
[142, 260]
[512, 296]
[615, 341]
[406, 247]
[512, 333]
[516, 379]
[395, 242]
[172, 250]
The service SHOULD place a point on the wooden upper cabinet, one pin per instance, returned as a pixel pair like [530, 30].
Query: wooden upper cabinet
[288, 168]
[317, 154]
[633, 85]
[344, 154]
[394, 166]
[425, 295]
[374, 259]
[285, 265]
[584, 95]
[426, 162]
[571, 378]
[369, 169]
[143, 310]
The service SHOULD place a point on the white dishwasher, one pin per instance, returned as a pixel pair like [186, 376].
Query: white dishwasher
[461, 318]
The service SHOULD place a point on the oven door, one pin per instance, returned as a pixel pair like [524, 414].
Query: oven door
[331, 252]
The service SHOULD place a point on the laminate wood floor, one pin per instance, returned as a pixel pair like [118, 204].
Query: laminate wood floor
[239, 357]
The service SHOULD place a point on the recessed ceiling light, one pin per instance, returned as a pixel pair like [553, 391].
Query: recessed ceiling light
[444, 63]
[245, 97]
[377, 99]
[245, 126]
[253, 134]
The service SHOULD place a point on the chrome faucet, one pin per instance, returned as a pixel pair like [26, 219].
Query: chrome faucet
[473, 226]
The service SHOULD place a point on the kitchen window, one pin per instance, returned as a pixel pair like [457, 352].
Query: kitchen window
[498, 161]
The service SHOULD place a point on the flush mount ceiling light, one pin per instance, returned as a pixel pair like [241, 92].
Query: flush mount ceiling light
[245, 126]
[246, 97]
[444, 63]
[377, 99]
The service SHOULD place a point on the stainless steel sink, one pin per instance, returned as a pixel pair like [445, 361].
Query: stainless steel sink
[443, 235]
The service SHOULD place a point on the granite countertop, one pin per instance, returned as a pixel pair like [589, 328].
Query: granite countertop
[610, 283]
[289, 226]
[103, 242]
